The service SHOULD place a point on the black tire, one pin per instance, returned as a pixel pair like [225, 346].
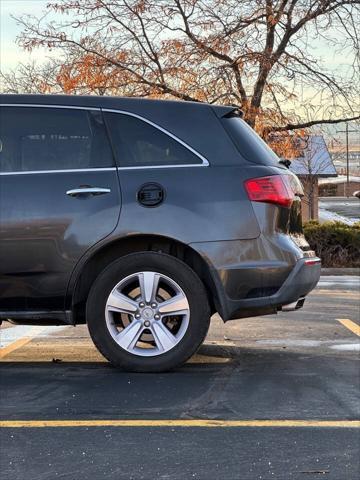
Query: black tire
[176, 270]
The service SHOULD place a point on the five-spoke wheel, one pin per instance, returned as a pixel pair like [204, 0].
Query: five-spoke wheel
[148, 312]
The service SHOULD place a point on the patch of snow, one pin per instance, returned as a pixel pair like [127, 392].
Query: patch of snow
[348, 347]
[12, 334]
[343, 279]
[327, 216]
[339, 179]
[292, 342]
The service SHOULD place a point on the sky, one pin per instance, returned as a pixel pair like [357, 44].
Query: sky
[11, 54]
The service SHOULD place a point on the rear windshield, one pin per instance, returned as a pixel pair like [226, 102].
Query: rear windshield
[249, 144]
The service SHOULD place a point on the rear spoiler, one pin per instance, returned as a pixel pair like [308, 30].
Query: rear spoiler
[226, 111]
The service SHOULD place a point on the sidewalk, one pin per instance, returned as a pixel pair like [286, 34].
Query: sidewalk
[340, 271]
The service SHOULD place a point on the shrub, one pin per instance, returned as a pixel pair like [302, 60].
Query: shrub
[337, 244]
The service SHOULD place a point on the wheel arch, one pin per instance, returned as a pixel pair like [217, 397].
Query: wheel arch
[132, 244]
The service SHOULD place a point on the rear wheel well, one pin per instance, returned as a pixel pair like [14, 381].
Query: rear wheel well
[142, 243]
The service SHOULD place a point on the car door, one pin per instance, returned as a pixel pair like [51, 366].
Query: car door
[59, 195]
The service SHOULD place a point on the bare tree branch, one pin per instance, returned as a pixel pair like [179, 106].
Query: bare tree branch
[298, 126]
[257, 54]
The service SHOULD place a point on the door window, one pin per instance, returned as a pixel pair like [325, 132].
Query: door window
[139, 144]
[36, 139]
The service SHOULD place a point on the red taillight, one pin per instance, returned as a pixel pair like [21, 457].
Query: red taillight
[274, 189]
[312, 261]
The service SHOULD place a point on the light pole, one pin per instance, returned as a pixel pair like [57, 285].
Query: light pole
[346, 131]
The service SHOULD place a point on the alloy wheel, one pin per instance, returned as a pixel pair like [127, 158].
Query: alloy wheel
[147, 313]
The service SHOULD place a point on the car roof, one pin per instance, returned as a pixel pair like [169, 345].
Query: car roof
[97, 101]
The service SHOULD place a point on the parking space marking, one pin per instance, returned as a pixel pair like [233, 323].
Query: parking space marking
[199, 358]
[20, 342]
[202, 423]
[354, 327]
[335, 293]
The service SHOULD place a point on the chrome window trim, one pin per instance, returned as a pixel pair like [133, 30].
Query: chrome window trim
[153, 167]
[41, 105]
[74, 170]
[204, 163]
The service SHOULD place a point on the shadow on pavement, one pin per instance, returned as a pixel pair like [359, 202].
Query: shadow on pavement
[253, 384]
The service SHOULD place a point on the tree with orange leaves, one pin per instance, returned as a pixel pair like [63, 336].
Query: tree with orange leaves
[256, 54]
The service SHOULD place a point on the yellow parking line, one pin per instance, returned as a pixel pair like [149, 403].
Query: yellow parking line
[21, 342]
[198, 358]
[335, 293]
[354, 327]
[180, 423]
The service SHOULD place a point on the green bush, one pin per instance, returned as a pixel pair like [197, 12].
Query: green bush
[337, 244]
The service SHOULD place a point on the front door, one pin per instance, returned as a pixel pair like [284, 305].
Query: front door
[59, 195]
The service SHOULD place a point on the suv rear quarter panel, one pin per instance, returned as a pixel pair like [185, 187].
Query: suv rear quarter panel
[201, 204]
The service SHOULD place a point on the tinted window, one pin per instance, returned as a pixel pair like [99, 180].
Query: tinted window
[52, 139]
[137, 143]
[250, 145]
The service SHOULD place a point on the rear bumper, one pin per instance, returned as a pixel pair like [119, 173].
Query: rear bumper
[302, 279]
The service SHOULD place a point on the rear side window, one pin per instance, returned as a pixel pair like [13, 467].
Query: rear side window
[250, 145]
[36, 138]
[140, 144]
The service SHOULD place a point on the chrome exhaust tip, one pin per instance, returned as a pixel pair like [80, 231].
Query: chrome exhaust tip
[291, 307]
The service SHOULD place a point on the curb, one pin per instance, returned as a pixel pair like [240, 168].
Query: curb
[340, 271]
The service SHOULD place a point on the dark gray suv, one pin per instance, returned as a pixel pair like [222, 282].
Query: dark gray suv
[142, 218]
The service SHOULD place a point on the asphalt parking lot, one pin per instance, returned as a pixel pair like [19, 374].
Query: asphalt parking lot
[273, 397]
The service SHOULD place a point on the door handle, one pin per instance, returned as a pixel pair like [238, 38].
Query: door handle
[87, 191]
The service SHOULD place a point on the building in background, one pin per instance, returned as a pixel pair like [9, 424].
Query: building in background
[337, 187]
[338, 155]
[314, 162]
